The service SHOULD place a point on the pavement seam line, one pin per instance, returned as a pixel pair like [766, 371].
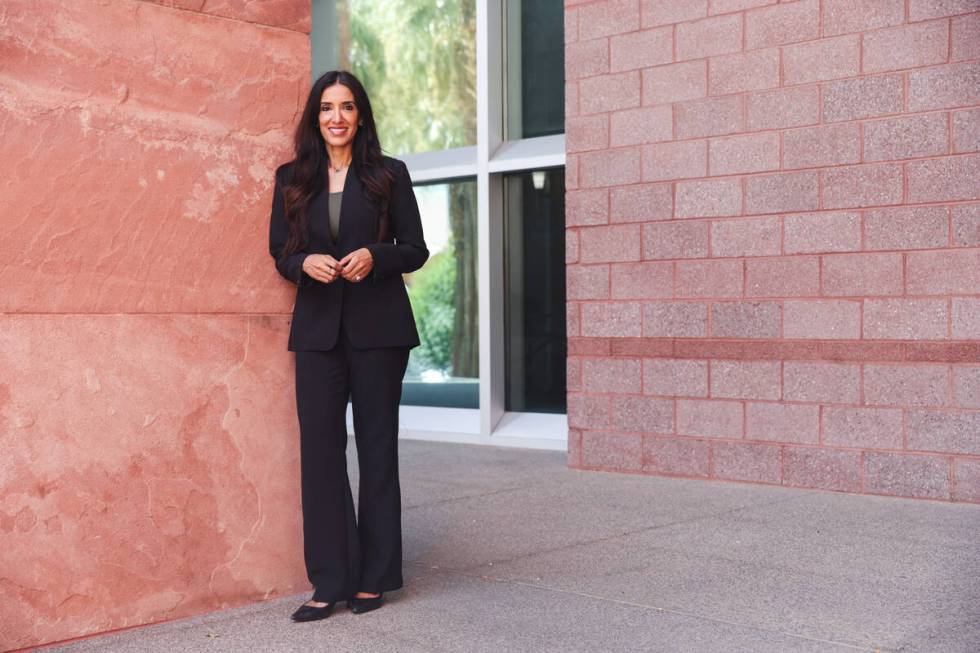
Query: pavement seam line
[613, 537]
[440, 502]
[645, 606]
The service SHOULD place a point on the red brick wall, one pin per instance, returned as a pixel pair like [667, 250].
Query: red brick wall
[774, 241]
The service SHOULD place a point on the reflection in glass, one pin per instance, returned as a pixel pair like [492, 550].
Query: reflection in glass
[534, 279]
[444, 370]
[417, 60]
[535, 83]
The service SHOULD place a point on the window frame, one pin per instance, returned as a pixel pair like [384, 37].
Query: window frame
[492, 157]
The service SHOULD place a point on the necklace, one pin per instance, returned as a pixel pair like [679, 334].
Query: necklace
[338, 168]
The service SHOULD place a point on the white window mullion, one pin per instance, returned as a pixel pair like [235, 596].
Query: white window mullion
[489, 194]
[441, 165]
[529, 154]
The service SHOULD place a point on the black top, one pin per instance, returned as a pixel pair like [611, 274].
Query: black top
[376, 311]
[334, 206]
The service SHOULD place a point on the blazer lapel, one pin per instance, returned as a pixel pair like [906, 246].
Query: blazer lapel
[349, 203]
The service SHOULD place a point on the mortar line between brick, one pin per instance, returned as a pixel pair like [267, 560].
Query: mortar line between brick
[820, 287]
[782, 171]
[745, 421]
[812, 446]
[820, 202]
[905, 92]
[861, 53]
[949, 37]
[952, 478]
[781, 68]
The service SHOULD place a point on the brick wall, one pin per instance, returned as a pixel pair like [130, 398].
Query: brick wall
[774, 242]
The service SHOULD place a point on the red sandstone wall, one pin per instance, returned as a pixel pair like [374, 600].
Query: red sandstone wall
[774, 242]
[149, 466]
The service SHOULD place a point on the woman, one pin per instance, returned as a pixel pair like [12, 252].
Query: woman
[344, 227]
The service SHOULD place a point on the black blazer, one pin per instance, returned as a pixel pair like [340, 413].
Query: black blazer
[375, 312]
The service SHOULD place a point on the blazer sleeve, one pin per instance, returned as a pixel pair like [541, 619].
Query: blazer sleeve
[290, 267]
[408, 251]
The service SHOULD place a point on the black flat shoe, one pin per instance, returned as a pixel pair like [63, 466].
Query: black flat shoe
[360, 606]
[312, 613]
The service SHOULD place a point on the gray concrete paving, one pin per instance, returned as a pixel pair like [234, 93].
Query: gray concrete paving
[508, 550]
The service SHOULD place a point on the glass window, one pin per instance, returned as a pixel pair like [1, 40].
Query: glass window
[417, 60]
[444, 370]
[535, 81]
[534, 279]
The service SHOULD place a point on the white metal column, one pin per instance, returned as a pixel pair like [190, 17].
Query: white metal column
[489, 197]
[492, 157]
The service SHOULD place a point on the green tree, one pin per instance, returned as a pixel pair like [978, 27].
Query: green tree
[417, 59]
[432, 303]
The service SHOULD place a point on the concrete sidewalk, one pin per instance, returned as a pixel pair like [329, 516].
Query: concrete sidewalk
[508, 550]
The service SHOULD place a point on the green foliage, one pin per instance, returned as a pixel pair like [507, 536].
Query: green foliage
[417, 60]
[432, 294]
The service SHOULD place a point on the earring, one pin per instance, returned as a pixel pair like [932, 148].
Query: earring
[361, 123]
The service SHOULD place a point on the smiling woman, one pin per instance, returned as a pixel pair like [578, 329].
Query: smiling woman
[344, 227]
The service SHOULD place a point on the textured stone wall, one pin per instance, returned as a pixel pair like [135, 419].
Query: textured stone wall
[774, 242]
[148, 449]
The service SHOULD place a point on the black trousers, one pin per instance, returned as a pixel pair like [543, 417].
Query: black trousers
[344, 555]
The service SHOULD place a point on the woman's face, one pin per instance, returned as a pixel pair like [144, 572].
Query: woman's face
[338, 115]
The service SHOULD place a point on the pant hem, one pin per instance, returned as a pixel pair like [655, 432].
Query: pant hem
[347, 596]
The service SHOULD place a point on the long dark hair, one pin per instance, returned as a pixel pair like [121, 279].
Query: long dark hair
[310, 163]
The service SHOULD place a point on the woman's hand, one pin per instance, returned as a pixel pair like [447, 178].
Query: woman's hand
[357, 265]
[322, 267]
